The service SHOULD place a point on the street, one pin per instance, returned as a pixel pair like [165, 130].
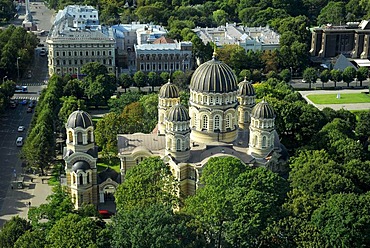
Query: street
[10, 162]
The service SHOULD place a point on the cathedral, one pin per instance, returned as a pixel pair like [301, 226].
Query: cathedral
[223, 119]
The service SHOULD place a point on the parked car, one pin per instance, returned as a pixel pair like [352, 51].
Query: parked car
[42, 52]
[24, 102]
[29, 110]
[21, 128]
[105, 214]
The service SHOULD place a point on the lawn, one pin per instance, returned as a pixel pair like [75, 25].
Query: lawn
[103, 164]
[344, 98]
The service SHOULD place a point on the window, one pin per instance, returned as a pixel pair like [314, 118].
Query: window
[178, 145]
[205, 122]
[88, 177]
[227, 121]
[81, 182]
[79, 138]
[57, 53]
[264, 142]
[255, 140]
[70, 136]
[217, 122]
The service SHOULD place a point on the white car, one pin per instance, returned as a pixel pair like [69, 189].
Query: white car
[21, 128]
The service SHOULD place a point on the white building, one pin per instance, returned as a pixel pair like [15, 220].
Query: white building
[250, 38]
[76, 38]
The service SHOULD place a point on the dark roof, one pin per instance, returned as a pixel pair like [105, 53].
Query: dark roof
[263, 111]
[169, 90]
[214, 76]
[108, 173]
[246, 88]
[80, 165]
[178, 113]
[79, 118]
[93, 152]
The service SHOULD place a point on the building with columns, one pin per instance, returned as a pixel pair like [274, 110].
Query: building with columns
[223, 119]
[76, 38]
[352, 40]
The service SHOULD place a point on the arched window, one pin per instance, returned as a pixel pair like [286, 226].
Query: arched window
[70, 136]
[178, 145]
[264, 142]
[227, 121]
[255, 140]
[79, 138]
[194, 120]
[81, 182]
[217, 122]
[73, 178]
[89, 137]
[88, 178]
[205, 122]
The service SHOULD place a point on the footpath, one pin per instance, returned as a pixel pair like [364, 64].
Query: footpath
[351, 106]
[19, 200]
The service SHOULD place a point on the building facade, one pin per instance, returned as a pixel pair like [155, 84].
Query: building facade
[250, 38]
[76, 38]
[352, 40]
[83, 182]
[223, 119]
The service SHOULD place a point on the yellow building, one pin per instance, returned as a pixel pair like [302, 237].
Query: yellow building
[223, 119]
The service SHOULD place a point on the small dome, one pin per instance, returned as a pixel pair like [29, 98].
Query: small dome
[79, 118]
[214, 76]
[263, 111]
[80, 165]
[178, 113]
[246, 88]
[169, 90]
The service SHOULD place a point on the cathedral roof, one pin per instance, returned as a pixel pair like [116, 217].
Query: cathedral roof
[108, 173]
[169, 90]
[263, 111]
[178, 113]
[79, 118]
[246, 88]
[80, 165]
[214, 76]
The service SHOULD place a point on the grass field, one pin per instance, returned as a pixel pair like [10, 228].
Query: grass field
[344, 98]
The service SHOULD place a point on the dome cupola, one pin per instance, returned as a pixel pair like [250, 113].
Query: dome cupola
[79, 118]
[214, 76]
[246, 88]
[178, 113]
[263, 111]
[80, 165]
[169, 90]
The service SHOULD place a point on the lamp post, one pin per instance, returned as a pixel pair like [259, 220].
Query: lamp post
[291, 74]
[4, 78]
[18, 68]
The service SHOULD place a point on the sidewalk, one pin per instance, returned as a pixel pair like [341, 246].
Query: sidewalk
[351, 106]
[35, 191]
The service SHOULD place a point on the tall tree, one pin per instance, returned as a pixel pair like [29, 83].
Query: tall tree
[150, 182]
[349, 75]
[310, 76]
[12, 230]
[140, 79]
[362, 74]
[324, 77]
[336, 76]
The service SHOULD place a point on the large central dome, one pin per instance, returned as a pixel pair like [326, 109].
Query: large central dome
[214, 76]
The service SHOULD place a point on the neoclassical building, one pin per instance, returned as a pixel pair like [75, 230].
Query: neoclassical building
[223, 119]
[84, 183]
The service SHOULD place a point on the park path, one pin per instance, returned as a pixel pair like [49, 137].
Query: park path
[348, 106]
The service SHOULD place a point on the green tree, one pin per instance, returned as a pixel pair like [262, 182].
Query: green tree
[101, 89]
[12, 230]
[93, 70]
[73, 88]
[220, 17]
[333, 13]
[70, 104]
[153, 79]
[324, 77]
[230, 187]
[150, 182]
[345, 216]
[152, 226]
[140, 79]
[31, 239]
[362, 74]
[349, 75]
[150, 104]
[125, 81]
[286, 75]
[363, 127]
[118, 104]
[74, 231]
[59, 205]
[310, 76]
[336, 76]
